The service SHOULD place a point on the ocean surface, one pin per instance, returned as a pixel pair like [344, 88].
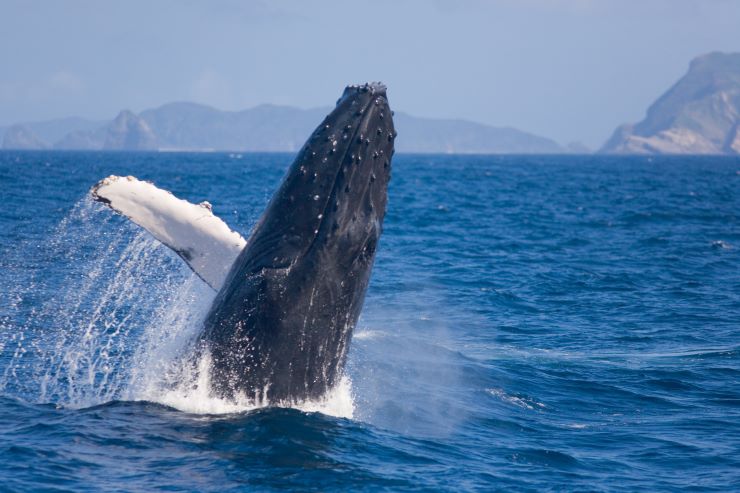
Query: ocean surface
[534, 323]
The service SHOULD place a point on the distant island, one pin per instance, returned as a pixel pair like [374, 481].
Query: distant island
[196, 127]
[700, 114]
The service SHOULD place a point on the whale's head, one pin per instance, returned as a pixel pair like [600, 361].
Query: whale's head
[331, 204]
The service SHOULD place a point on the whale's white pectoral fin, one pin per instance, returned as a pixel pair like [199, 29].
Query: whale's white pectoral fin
[203, 240]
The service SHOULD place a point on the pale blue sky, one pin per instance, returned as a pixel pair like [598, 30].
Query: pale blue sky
[565, 69]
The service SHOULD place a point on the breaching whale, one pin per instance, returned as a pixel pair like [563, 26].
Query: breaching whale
[288, 297]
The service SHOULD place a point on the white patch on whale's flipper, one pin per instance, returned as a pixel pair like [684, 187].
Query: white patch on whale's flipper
[203, 240]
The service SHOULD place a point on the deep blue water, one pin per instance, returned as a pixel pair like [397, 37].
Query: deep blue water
[532, 324]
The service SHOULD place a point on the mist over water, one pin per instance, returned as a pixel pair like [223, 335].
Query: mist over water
[532, 323]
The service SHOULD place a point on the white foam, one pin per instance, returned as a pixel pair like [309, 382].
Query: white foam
[193, 394]
[524, 403]
[721, 244]
[337, 402]
[577, 426]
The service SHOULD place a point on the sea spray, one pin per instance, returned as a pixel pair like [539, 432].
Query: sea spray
[97, 281]
[118, 319]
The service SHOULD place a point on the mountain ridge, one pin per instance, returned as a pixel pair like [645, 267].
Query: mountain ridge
[190, 126]
[699, 114]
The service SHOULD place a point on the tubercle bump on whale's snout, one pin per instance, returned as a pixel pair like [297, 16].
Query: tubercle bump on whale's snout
[374, 88]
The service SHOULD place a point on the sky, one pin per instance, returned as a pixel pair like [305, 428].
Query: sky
[571, 70]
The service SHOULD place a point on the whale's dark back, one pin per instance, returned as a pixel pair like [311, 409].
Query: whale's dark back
[280, 327]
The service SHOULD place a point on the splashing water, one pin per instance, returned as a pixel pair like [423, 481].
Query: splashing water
[118, 318]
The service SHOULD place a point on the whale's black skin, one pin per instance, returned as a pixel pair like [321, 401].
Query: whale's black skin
[280, 327]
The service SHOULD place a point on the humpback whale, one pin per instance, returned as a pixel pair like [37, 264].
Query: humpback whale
[288, 297]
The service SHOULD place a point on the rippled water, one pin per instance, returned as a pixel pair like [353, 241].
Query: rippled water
[533, 323]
